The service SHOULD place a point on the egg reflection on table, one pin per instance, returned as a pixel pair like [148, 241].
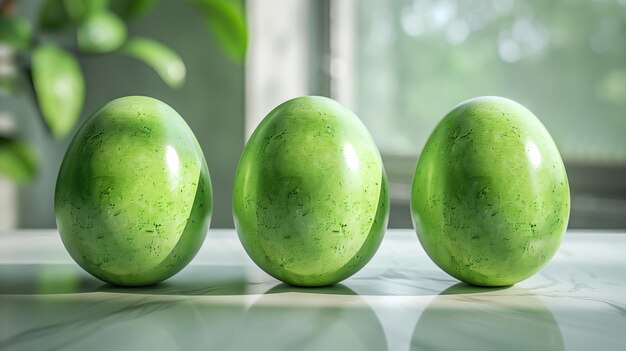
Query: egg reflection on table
[464, 317]
[291, 318]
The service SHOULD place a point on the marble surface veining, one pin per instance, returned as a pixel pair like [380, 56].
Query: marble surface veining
[399, 301]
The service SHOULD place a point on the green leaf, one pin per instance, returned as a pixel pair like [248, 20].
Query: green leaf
[59, 14]
[59, 87]
[101, 32]
[53, 15]
[17, 160]
[227, 21]
[163, 60]
[131, 8]
[15, 32]
[79, 10]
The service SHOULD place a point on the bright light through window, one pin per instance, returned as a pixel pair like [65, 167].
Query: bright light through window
[564, 60]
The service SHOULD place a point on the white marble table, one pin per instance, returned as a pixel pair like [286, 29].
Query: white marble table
[400, 301]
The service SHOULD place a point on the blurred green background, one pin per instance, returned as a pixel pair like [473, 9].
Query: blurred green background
[211, 101]
[565, 60]
[407, 63]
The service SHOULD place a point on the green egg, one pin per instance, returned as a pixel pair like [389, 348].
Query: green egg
[490, 198]
[133, 198]
[310, 200]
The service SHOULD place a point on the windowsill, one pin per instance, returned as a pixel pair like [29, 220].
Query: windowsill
[598, 192]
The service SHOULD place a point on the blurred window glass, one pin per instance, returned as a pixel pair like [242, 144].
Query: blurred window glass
[565, 60]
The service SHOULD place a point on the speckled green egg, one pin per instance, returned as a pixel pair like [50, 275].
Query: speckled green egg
[310, 200]
[490, 198]
[133, 198]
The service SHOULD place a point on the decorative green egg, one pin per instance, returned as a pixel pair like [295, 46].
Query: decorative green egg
[133, 198]
[310, 200]
[490, 198]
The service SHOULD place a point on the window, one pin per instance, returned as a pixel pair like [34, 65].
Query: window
[565, 60]
[402, 65]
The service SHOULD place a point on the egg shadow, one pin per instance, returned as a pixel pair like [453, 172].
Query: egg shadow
[45, 279]
[69, 278]
[466, 317]
[197, 281]
[463, 288]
